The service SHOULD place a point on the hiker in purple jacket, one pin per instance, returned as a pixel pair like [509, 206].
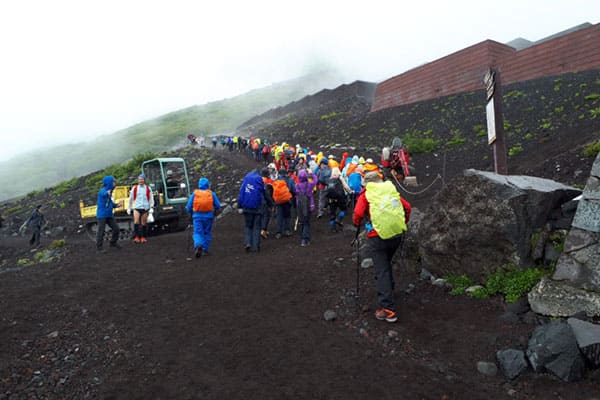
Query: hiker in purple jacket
[305, 203]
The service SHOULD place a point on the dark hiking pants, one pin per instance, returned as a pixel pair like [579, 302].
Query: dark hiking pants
[102, 222]
[382, 251]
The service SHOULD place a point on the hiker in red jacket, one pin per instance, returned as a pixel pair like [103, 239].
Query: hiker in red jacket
[387, 216]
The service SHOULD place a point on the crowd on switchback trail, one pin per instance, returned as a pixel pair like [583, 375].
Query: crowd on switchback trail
[293, 183]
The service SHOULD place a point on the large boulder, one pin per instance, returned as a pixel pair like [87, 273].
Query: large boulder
[481, 221]
[579, 265]
[556, 299]
[553, 347]
[588, 339]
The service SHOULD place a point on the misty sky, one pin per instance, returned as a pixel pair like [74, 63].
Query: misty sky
[73, 70]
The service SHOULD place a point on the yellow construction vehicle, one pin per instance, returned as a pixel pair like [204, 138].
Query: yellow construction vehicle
[168, 180]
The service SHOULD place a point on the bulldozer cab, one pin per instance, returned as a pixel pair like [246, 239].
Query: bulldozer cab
[168, 179]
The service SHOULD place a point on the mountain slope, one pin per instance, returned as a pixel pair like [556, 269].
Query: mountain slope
[46, 167]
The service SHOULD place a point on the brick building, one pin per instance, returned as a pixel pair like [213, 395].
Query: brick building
[463, 70]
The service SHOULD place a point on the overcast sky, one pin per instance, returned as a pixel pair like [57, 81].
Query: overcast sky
[73, 70]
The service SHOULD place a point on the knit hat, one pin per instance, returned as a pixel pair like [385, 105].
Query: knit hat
[372, 177]
[142, 176]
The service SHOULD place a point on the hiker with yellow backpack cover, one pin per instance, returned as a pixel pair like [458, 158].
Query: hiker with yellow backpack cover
[202, 205]
[387, 216]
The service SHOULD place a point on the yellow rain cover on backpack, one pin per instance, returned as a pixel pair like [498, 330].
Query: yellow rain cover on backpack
[385, 208]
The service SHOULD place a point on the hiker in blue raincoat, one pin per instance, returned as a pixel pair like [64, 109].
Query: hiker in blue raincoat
[104, 213]
[202, 205]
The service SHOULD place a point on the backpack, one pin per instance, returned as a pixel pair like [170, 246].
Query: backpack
[135, 192]
[281, 192]
[251, 192]
[303, 206]
[385, 209]
[266, 149]
[203, 201]
[335, 189]
[324, 175]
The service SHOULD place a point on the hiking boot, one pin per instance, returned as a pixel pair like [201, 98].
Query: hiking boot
[143, 240]
[205, 253]
[198, 252]
[319, 216]
[278, 235]
[100, 250]
[386, 314]
[304, 243]
[247, 248]
[287, 233]
[136, 240]
[115, 245]
[264, 234]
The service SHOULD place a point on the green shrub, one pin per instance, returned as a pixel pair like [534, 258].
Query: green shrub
[591, 150]
[459, 283]
[528, 136]
[513, 151]
[14, 209]
[595, 112]
[65, 186]
[57, 244]
[512, 282]
[593, 96]
[479, 293]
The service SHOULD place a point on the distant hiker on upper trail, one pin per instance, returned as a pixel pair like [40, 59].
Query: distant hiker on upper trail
[202, 205]
[386, 215]
[141, 201]
[36, 222]
[104, 214]
[250, 200]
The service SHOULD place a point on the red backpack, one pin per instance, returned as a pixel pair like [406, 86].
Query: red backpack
[135, 192]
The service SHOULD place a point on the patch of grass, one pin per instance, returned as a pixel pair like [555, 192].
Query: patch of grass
[528, 136]
[57, 244]
[593, 96]
[65, 186]
[333, 114]
[513, 151]
[559, 110]
[514, 94]
[480, 130]
[479, 293]
[590, 150]
[24, 262]
[595, 112]
[14, 209]
[457, 139]
[545, 124]
[418, 143]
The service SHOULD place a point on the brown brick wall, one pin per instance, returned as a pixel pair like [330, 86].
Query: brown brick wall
[464, 70]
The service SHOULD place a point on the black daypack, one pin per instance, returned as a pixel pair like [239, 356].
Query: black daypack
[303, 207]
[335, 189]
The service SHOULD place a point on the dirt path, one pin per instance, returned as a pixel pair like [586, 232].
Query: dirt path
[149, 322]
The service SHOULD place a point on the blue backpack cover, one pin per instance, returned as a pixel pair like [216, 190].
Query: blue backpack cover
[251, 192]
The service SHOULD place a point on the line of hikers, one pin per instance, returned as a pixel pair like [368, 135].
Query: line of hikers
[293, 181]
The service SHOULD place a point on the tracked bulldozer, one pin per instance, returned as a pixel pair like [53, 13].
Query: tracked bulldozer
[169, 183]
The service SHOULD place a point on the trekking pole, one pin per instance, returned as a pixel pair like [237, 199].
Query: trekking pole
[356, 241]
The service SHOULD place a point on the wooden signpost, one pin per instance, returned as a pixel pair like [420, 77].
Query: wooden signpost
[495, 120]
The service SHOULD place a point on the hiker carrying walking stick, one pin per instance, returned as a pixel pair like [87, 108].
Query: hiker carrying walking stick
[386, 215]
